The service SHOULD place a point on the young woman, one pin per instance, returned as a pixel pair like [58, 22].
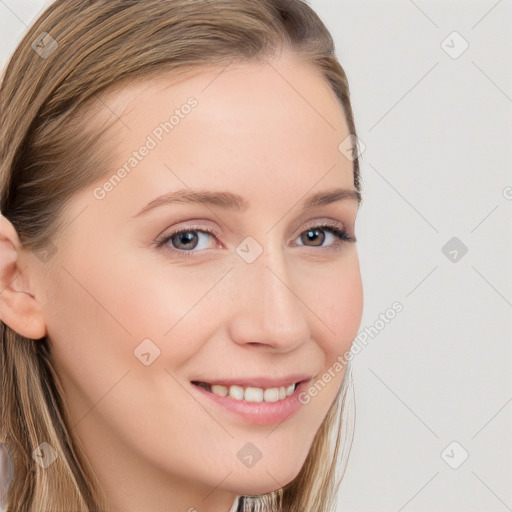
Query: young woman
[180, 279]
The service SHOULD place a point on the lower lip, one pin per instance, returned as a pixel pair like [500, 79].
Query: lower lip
[258, 413]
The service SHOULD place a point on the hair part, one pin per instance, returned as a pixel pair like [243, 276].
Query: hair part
[51, 147]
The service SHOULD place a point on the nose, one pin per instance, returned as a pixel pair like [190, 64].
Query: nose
[268, 311]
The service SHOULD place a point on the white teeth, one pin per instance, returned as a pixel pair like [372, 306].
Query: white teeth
[253, 394]
[271, 395]
[236, 392]
[217, 389]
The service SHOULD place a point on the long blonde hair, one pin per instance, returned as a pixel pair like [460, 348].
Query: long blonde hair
[47, 155]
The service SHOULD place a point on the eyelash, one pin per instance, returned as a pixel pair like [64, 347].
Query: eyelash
[342, 235]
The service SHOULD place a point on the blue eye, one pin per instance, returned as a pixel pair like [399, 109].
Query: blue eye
[184, 242]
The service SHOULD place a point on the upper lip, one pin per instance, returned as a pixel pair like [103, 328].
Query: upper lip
[258, 382]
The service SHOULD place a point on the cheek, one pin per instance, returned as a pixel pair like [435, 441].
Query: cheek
[154, 295]
[339, 305]
[338, 302]
[90, 338]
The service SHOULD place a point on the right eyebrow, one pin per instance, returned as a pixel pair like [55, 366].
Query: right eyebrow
[226, 200]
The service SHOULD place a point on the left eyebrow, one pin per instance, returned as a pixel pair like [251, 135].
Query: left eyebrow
[229, 200]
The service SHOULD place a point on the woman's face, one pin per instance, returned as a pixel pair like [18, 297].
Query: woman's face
[138, 315]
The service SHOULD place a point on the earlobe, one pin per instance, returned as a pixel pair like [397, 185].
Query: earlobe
[19, 308]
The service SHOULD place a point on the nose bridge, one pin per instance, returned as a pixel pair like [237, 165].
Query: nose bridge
[269, 310]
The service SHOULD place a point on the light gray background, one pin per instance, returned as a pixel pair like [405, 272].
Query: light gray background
[437, 164]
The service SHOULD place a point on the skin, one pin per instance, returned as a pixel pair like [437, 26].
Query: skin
[295, 309]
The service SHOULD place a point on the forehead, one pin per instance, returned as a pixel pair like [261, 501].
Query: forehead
[241, 128]
[289, 90]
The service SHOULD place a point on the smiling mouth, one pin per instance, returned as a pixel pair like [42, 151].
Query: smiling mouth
[249, 393]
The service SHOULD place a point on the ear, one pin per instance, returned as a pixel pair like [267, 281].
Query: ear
[19, 308]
